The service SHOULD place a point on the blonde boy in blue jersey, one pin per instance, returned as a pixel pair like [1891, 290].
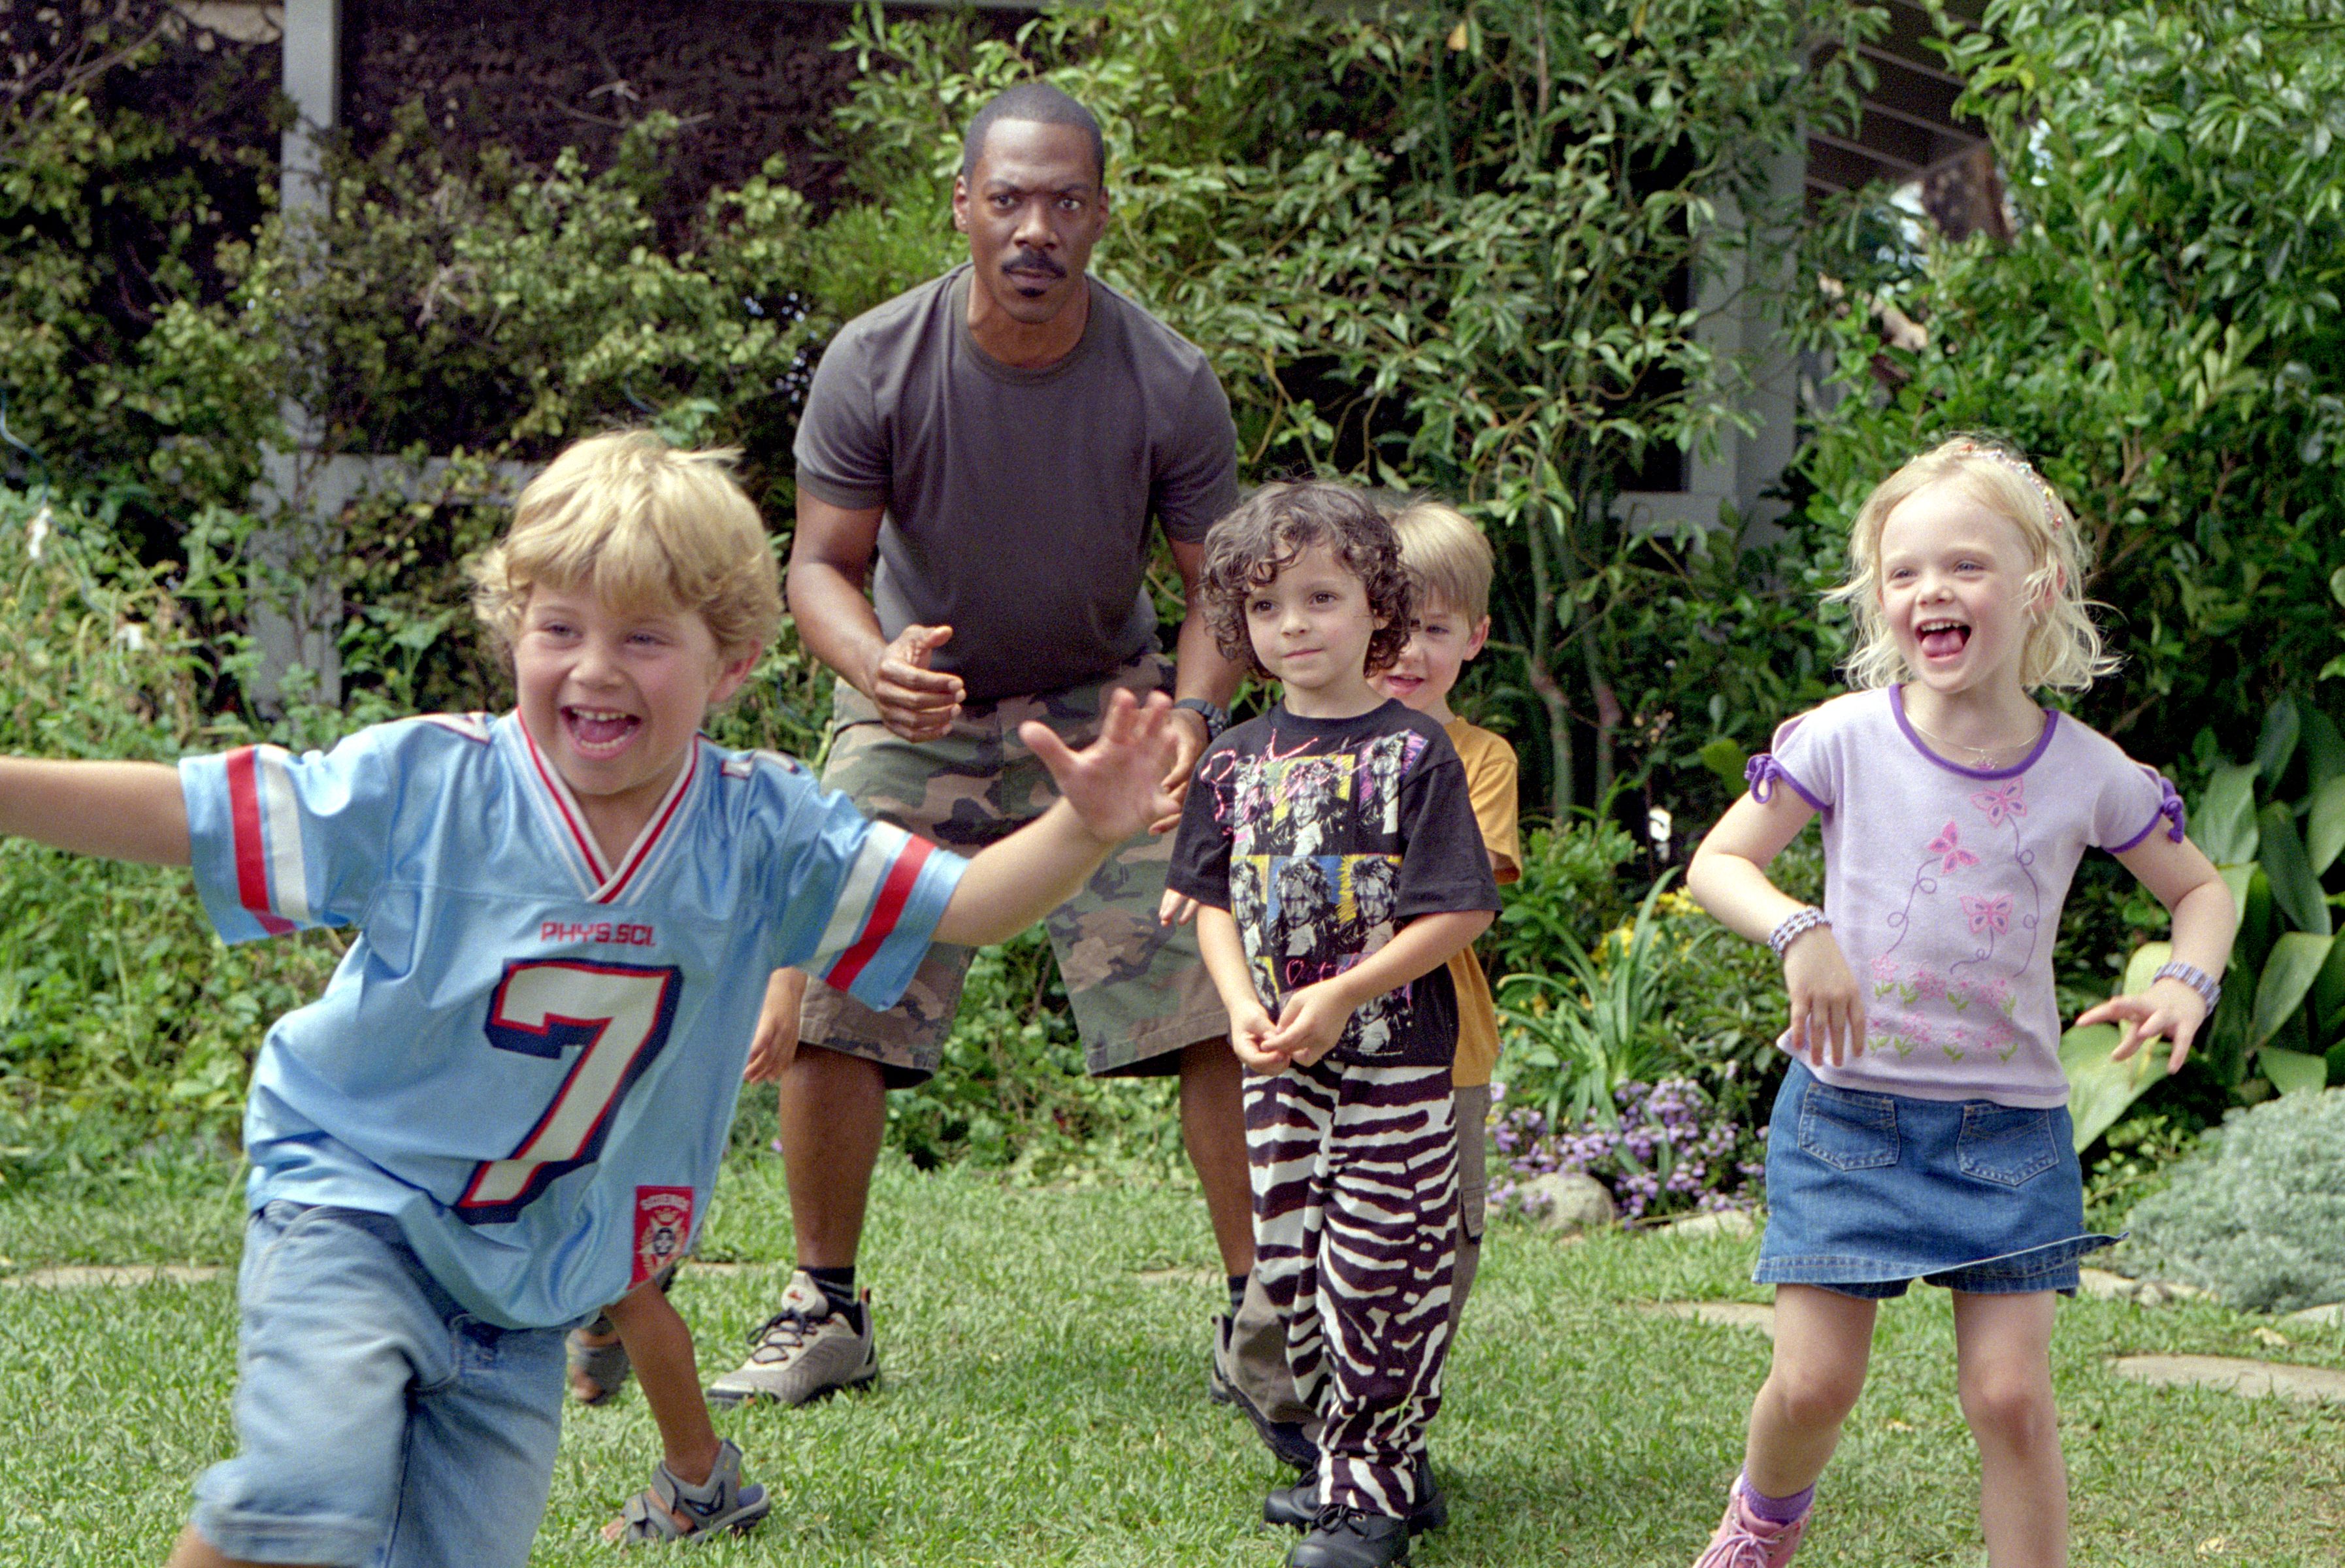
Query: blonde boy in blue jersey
[508, 1107]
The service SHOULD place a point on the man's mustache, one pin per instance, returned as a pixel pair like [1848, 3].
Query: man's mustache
[1029, 261]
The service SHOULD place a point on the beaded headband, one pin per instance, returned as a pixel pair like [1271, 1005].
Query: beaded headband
[2025, 471]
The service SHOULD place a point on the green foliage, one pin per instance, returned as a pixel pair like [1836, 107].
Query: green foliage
[1010, 1090]
[121, 1016]
[2140, 1162]
[1455, 256]
[504, 308]
[1664, 994]
[2274, 827]
[2163, 332]
[107, 372]
[1593, 1027]
[2260, 1218]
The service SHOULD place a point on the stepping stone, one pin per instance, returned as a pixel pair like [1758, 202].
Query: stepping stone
[1178, 1276]
[82, 1276]
[2101, 1285]
[1719, 1314]
[1719, 1222]
[2234, 1374]
[2327, 1317]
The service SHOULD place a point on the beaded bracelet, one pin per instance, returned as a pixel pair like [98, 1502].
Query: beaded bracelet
[1796, 925]
[2209, 989]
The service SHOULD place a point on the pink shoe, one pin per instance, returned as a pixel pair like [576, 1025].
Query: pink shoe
[1746, 1541]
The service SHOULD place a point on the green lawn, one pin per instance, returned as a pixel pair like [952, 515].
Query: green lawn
[1043, 1402]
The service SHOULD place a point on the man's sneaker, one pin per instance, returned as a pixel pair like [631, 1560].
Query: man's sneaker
[1217, 1380]
[1746, 1541]
[806, 1350]
[1345, 1537]
[1297, 1507]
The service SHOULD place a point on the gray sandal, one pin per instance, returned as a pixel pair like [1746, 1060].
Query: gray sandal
[606, 1366]
[724, 1504]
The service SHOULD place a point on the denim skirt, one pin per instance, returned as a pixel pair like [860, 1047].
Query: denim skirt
[1867, 1193]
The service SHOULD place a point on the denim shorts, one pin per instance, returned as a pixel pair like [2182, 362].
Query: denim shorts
[378, 1425]
[1867, 1193]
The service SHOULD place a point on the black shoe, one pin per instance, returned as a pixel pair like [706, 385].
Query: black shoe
[1286, 1439]
[1217, 1381]
[1297, 1506]
[1345, 1537]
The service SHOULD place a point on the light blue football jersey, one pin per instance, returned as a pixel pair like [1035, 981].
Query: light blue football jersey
[530, 1056]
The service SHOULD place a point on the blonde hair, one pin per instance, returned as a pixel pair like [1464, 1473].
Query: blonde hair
[2064, 647]
[1447, 555]
[637, 522]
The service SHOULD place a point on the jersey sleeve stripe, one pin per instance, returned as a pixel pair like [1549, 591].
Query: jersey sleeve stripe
[882, 845]
[895, 892]
[288, 870]
[253, 861]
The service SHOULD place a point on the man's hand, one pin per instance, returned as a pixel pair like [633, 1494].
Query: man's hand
[1175, 909]
[914, 701]
[1115, 785]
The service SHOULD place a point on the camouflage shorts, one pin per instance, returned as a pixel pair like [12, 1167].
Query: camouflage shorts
[1139, 990]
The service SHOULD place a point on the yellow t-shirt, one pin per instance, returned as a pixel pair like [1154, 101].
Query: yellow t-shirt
[1491, 782]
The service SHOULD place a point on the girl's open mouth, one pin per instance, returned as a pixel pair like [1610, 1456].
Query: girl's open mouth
[1942, 639]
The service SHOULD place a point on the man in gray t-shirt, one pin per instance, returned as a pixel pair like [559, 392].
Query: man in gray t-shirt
[998, 438]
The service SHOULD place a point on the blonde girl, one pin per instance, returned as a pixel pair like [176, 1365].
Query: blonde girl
[1922, 1131]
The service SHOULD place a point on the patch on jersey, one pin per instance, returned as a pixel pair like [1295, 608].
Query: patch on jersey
[663, 1227]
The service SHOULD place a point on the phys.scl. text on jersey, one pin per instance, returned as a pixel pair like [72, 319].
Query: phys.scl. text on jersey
[530, 1056]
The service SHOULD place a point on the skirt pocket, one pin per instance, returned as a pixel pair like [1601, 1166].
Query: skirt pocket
[2008, 1145]
[1846, 1130]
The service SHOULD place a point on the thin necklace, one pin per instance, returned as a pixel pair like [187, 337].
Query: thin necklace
[1981, 756]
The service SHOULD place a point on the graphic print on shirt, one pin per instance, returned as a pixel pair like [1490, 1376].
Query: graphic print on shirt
[1983, 911]
[1305, 914]
[617, 1017]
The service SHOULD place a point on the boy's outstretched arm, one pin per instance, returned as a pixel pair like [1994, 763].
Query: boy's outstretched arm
[1108, 792]
[124, 811]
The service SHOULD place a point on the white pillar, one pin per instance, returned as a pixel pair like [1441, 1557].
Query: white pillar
[296, 609]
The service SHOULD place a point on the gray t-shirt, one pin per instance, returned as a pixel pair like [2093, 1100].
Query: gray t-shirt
[1018, 500]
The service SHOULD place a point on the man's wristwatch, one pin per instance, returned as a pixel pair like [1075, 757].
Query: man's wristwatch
[1216, 719]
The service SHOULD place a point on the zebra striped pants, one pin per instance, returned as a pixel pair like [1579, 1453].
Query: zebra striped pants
[1355, 1173]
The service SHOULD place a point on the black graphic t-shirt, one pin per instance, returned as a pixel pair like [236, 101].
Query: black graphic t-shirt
[1324, 837]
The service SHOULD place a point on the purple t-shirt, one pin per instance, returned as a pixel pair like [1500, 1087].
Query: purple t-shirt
[1944, 884]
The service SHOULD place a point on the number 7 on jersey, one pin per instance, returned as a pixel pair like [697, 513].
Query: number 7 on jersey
[618, 1017]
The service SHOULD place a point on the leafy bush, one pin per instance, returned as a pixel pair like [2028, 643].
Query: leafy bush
[1451, 254]
[2258, 1218]
[2162, 330]
[121, 1009]
[1010, 1091]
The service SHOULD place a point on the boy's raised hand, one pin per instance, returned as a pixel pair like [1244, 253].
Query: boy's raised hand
[1115, 785]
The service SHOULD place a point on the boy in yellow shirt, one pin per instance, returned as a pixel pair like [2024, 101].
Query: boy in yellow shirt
[1450, 562]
